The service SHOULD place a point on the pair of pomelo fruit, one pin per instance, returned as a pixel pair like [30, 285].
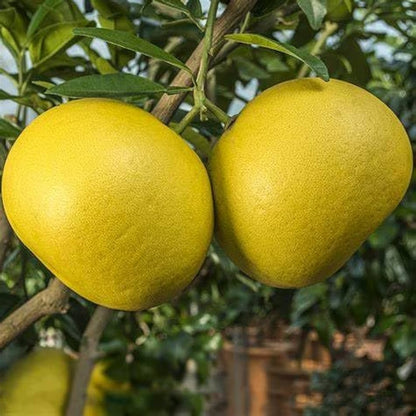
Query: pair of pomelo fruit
[120, 208]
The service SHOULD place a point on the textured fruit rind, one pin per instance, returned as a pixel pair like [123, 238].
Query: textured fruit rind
[305, 174]
[112, 201]
[38, 384]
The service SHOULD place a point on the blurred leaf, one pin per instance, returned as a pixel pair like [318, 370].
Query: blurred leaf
[12, 28]
[8, 130]
[194, 7]
[115, 16]
[263, 7]
[175, 4]
[312, 61]
[131, 42]
[349, 62]
[248, 69]
[324, 327]
[404, 339]
[179, 6]
[45, 8]
[303, 33]
[200, 143]
[6, 96]
[8, 302]
[51, 40]
[111, 85]
[307, 297]
[315, 11]
[270, 60]
[384, 235]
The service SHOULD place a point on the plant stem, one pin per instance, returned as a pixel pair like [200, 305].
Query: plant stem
[21, 66]
[89, 343]
[217, 111]
[200, 100]
[209, 30]
[183, 124]
[199, 92]
[232, 16]
[328, 30]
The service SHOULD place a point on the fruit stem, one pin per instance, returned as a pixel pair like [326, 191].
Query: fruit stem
[201, 102]
[328, 30]
[183, 124]
[199, 92]
[221, 115]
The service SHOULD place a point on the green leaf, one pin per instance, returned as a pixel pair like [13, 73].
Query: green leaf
[44, 84]
[51, 40]
[6, 96]
[194, 7]
[110, 85]
[12, 28]
[384, 235]
[404, 339]
[175, 4]
[8, 130]
[200, 143]
[178, 5]
[312, 61]
[130, 41]
[315, 11]
[114, 15]
[45, 8]
[110, 9]
[248, 69]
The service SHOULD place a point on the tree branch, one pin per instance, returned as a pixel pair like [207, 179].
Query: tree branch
[53, 299]
[89, 343]
[234, 12]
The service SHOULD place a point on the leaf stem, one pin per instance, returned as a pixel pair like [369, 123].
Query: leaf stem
[201, 103]
[199, 92]
[328, 30]
[221, 115]
[183, 124]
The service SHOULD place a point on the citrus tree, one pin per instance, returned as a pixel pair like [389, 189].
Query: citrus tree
[193, 65]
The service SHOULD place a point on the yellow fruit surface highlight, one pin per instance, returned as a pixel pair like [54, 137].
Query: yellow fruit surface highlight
[38, 384]
[305, 174]
[112, 201]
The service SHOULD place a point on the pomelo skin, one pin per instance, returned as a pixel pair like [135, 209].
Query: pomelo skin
[112, 201]
[37, 384]
[305, 174]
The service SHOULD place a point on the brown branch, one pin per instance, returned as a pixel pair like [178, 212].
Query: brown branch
[52, 300]
[234, 12]
[89, 343]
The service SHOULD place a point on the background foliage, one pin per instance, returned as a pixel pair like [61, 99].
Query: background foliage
[369, 43]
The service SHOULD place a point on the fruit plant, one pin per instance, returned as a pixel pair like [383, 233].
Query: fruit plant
[185, 63]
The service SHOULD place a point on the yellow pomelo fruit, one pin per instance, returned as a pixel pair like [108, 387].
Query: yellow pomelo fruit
[94, 403]
[38, 384]
[305, 174]
[100, 380]
[112, 201]
[100, 385]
